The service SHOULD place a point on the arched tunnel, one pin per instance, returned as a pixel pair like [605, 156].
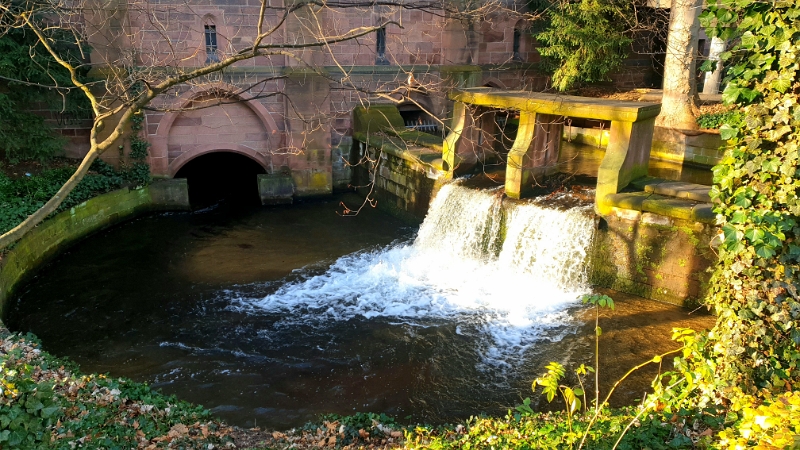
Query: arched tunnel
[222, 177]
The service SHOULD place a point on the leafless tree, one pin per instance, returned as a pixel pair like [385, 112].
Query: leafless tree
[140, 51]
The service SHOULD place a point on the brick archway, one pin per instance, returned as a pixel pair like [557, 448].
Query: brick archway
[243, 125]
[184, 158]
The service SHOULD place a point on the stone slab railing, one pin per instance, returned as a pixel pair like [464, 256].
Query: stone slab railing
[535, 150]
[57, 233]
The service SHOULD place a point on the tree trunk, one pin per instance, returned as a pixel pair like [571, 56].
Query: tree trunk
[712, 80]
[680, 87]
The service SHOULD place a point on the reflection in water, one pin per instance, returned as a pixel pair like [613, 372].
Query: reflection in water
[275, 315]
[582, 159]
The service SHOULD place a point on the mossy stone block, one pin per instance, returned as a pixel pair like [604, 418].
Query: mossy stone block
[377, 118]
[628, 200]
[704, 212]
[275, 189]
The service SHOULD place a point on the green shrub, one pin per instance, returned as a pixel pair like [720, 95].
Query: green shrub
[21, 197]
[713, 121]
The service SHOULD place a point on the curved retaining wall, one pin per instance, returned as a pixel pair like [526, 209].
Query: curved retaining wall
[58, 233]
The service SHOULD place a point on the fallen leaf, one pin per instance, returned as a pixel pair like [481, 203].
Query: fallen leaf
[178, 430]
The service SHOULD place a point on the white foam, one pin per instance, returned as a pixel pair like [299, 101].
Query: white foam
[457, 269]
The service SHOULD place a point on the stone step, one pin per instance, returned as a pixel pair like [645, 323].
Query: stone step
[677, 189]
[679, 208]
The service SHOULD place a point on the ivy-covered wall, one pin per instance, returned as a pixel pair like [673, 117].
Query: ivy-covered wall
[755, 290]
[57, 233]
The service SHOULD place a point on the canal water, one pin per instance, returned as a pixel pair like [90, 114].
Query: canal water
[272, 316]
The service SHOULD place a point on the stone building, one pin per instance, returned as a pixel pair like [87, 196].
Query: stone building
[291, 113]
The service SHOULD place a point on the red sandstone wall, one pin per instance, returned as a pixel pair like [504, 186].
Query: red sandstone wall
[296, 121]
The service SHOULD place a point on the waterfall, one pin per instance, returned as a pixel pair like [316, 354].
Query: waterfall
[508, 272]
[546, 243]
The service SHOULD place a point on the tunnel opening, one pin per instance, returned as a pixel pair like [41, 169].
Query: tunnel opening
[222, 177]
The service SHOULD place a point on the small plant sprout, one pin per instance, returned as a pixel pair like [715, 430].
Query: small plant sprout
[599, 301]
[551, 385]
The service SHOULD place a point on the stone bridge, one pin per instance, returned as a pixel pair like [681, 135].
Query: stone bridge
[536, 147]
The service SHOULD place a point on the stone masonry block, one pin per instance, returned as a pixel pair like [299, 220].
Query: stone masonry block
[276, 189]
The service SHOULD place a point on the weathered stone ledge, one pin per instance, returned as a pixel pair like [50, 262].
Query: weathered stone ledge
[678, 208]
[678, 189]
[58, 233]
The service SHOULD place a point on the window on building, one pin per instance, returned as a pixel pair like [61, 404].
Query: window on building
[380, 47]
[515, 45]
[211, 44]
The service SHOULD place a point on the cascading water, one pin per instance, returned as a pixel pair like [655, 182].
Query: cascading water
[506, 273]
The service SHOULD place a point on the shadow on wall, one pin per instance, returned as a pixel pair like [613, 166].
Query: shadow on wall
[222, 177]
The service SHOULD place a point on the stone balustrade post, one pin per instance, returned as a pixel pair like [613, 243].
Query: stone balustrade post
[627, 158]
[534, 154]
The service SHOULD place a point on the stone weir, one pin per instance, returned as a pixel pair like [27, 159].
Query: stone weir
[654, 238]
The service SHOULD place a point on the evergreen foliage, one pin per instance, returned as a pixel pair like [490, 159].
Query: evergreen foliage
[716, 120]
[21, 197]
[47, 403]
[755, 290]
[28, 77]
[584, 41]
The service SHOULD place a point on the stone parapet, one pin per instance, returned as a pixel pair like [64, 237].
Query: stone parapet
[393, 165]
[401, 181]
[702, 148]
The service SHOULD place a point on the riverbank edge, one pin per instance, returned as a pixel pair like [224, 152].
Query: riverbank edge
[67, 228]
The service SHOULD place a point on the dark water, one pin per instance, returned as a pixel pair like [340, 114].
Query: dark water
[159, 300]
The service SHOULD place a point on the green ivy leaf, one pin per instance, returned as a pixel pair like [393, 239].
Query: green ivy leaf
[708, 66]
[765, 251]
[771, 165]
[727, 132]
[731, 94]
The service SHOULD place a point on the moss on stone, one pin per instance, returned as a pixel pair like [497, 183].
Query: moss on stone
[377, 118]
